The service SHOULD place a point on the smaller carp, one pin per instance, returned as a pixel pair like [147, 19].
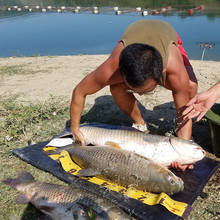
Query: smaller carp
[124, 167]
[64, 202]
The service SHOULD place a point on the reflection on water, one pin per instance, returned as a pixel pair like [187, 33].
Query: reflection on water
[36, 33]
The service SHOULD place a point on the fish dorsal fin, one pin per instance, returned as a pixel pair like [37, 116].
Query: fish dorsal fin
[22, 199]
[88, 172]
[113, 144]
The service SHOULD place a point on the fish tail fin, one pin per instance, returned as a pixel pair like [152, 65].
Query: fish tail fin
[23, 177]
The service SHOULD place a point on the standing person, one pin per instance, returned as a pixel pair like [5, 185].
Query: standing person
[202, 102]
[150, 53]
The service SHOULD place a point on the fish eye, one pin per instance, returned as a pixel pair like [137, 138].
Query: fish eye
[170, 178]
[172, 181]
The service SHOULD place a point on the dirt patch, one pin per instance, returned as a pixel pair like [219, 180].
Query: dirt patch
[59, 75]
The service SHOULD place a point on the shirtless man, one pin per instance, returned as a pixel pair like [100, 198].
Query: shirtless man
[149, 54]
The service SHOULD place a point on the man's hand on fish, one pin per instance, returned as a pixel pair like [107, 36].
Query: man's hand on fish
[179, 124]
[79, 137]
[180, 167]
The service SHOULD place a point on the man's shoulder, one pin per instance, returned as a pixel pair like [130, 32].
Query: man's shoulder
[175, 60]
[107, 73]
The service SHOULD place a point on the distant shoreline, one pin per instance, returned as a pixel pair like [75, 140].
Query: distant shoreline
[97, 54]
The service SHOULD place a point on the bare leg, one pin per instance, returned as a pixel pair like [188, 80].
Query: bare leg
[126, 102]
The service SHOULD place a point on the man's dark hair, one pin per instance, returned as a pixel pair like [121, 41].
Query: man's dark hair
[139, 62]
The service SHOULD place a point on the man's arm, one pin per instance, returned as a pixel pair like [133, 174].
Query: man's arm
[88, 85]
[178, 82]
[92, 83]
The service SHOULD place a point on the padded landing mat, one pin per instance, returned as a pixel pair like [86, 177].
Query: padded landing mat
[194, 181]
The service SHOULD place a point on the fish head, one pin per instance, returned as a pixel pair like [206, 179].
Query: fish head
[174, 183]
[189, 152]
[163, 180]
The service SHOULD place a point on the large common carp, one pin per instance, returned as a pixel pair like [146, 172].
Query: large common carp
[124, 167]
[64, 202]
[161, 149]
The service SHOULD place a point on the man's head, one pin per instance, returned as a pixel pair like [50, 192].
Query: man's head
[140, 63]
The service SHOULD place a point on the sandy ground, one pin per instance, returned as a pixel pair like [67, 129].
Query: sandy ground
[37, 78]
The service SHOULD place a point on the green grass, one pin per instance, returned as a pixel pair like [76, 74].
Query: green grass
[20, 69]
[37, 122]
[12, 70]
[21, 122]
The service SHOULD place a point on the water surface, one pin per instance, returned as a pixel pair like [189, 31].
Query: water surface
[52, 33]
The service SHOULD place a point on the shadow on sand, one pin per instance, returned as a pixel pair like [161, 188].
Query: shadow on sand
[106, 111]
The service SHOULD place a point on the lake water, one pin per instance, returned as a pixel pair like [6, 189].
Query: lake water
[52, 33]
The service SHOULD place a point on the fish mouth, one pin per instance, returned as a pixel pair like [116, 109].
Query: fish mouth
[181, 184]
[203, 151]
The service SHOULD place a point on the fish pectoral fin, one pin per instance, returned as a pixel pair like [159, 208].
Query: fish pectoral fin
[88, 172]
[22, 199]
[113, 144]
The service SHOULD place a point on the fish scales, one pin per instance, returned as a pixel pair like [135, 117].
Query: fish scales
[107, 158]
[124, 167]
[104, 158]
[65, 202]
[161, 149]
